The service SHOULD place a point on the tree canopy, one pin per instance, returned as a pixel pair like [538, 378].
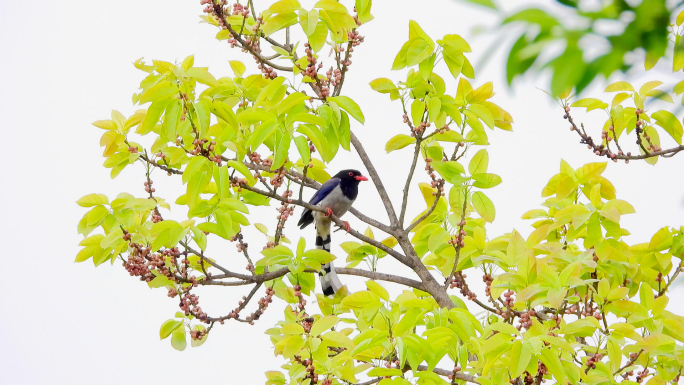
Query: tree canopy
[573, 302]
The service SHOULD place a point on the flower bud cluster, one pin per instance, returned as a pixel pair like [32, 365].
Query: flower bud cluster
[302, 302]
[509, 301]
[334, 77]
[148, 187]
[528, 379]
[456, 369]
[285, 211]
[310, 369]
[526, 319]
[190, 305]
[311, 71]
[238, 183]
[459, 282]
[259, 23]
[591, 361]
[263, 305]
[660, 278]
[436, 183]
[459, 239]
[241, 246]
[279, 177]
[416, 131]
[198, 334]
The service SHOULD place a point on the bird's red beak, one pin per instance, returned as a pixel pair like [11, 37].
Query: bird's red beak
[360, 178]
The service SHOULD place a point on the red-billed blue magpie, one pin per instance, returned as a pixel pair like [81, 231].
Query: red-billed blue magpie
[336, 196]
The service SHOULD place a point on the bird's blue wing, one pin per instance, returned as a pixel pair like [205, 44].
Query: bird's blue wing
[324, 190]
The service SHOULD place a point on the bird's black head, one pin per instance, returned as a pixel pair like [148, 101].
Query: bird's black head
[350, 176]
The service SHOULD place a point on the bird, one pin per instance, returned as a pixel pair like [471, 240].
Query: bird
[336, 197]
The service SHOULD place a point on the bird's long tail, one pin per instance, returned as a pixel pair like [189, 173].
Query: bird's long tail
[330, 282]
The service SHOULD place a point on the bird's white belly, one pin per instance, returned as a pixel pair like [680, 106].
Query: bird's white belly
[336, 201]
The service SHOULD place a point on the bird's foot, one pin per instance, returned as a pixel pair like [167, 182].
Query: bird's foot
[347, 227]
[328, 212]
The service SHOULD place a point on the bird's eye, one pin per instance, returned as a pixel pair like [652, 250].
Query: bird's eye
[351, 174]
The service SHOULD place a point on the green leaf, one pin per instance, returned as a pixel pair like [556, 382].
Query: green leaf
[384, 372]
[168, 327]
[661, 240]
[331, 6]
[619, 86]
[93, 200]
[262, 133]
[242, 169]
[418, 51]
[486, 180]
[350, 106]
[377, 289]
[178, 341]
[303, 148]
[484, 206]
[284, 6]
[479, 163]
[338, 339]
[237, 67]
[360, 300]
[317, 138]
[398, 142]
[199, 237]
[448, 170]
[158, 91]
[323, 324]
[523, 358]
[152, 117]
[590, 171]
[202, 75]
[670, 124]
[281, 150]
[383, 85]
[456, 42]
[308, 21]
[590, 104]
[291, 101]
[553, 363]
[280, 21]
[317, 40]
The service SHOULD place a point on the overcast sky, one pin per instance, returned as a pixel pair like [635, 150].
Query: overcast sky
[68, 63]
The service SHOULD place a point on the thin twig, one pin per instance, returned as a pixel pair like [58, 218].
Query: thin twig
[430, 210]
[404, 202]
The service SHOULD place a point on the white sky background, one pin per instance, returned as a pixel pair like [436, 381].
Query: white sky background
[68, 63]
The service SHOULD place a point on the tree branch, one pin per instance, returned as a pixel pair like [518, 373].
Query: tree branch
[376, 180]
[586, 139]
[260, 278]
[398, 256]
[381, 277]
[629, 363]
[251, 50]
[447, 373]
[404, 202]
[305, 181]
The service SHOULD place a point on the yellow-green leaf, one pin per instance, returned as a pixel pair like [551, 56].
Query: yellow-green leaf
[619, 86]
[398, 142]
[484, 206]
